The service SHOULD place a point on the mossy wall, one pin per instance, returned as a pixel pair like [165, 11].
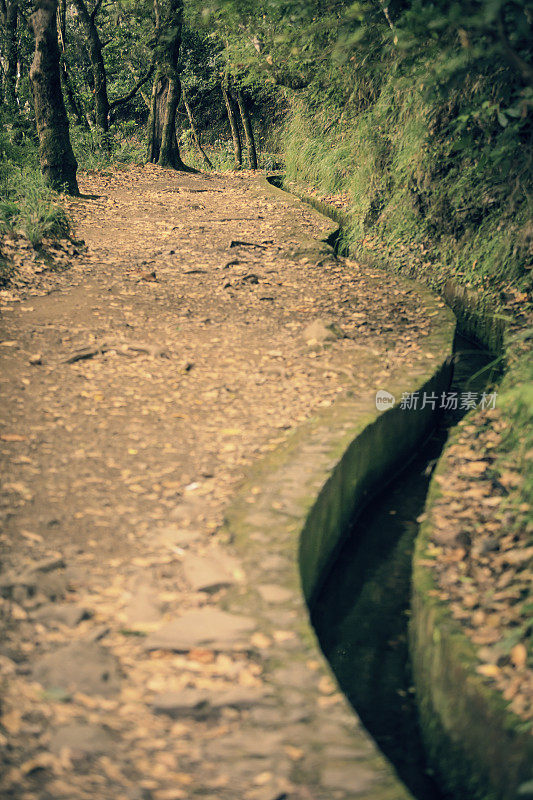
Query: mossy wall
[479, 749]
[382, 449]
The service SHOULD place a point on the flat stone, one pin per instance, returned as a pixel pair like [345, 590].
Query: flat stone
[200, 703]
[189, 702]
[141, 609]
[204, 627]
[208, 572]
[239, 697]
[79, 667]
[68, 614]
[276, 717]
[274, 594]
[320, 331]
[175, 536]
[353, 778]
[81, 739]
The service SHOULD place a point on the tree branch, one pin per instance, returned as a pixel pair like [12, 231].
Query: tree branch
[121, 100]
[96, 9]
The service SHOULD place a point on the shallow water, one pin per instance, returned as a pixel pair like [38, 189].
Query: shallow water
[361, 613]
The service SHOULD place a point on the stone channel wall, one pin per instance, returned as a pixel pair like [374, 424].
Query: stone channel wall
[476, 745]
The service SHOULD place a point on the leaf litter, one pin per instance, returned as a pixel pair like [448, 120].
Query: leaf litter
[120, 467]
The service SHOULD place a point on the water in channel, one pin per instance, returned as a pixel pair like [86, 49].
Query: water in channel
[361, 613]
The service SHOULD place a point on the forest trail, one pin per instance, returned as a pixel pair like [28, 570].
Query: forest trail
[137, 389]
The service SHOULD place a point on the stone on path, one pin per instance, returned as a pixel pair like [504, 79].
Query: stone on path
[142, 612]
[81, 739]
[204, 627]
[200, 703]
[320, 331]
[274, 594]
[79, 667]
[175, 536]
[68, 614]
[206, 573]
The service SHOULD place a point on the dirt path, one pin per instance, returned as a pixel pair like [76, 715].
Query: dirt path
[190, 339]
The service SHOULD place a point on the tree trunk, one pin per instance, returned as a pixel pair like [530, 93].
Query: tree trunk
[10, 22]
[58, 163]
[194, 132]
[73, 103]
[235, 135]
[248, 132]
[94, 47]
[144, 96]
[162, 142]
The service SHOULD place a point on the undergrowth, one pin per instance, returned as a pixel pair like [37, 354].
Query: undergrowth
[123, 145]
[444, 178]
[27, 206]
[221, 155]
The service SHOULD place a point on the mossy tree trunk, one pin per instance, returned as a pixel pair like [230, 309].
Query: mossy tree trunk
[58, 163]
[248, 131]
[9, 19]
[166, 90]
[94, 47]
[232, 118]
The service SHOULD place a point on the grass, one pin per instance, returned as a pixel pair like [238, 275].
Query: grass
[414, 183]
[29, 208]
[220, 153]
[92, 151]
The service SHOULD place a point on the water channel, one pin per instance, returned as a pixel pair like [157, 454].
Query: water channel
[361, 613]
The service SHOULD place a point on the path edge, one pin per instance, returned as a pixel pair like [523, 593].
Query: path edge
[475, 743]
[297, 503]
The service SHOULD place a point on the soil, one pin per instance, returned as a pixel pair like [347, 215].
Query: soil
[200, 325]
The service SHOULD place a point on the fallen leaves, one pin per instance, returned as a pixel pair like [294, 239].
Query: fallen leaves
[133, 455]
[483, 560]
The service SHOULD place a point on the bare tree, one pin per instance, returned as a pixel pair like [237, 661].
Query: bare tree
[194, 131]
[232, 119]
[248, 131]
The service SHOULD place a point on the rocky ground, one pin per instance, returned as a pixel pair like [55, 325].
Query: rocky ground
[195, 331]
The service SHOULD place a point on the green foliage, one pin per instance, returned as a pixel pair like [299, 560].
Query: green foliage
[416, 178]
[124, 146]
[27, 205]
[516, 402]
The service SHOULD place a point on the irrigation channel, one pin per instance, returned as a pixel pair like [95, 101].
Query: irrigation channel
[361, 613]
